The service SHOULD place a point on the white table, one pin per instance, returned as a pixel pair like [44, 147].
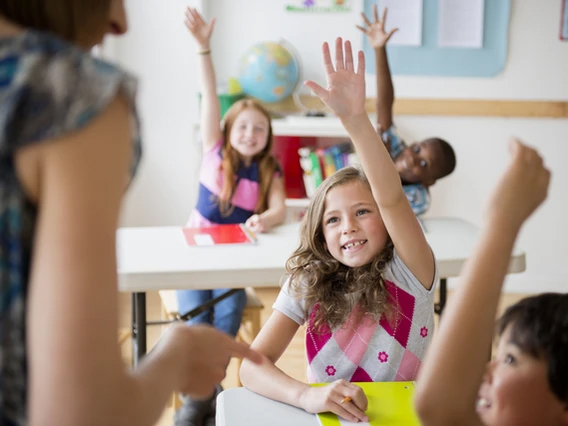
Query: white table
[158, 258]
[241, 407]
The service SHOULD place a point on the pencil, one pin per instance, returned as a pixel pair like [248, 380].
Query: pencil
[346, 399]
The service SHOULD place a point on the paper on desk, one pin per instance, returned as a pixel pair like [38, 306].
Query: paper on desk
[406, 15]
[460, 23]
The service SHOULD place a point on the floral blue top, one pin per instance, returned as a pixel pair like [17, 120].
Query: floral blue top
[48, 88]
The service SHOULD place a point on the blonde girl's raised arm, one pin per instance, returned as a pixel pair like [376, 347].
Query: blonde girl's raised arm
[210, 110]
[72, 310]
[345, 95]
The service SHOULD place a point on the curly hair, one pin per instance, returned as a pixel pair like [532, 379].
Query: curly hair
[267, 163]
[321, 280]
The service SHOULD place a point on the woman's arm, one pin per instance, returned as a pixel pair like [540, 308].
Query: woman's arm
[210, 109]
[276, 212]
[268, 380]
[345, 95]
[452, 372]
[78, 183]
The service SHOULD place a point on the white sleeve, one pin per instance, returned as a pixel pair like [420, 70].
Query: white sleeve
[397, 272]
[291, 306]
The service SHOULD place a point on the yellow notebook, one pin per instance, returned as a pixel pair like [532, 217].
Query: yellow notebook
[390, 403]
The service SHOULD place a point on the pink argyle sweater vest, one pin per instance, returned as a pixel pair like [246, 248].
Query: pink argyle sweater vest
[373, 351]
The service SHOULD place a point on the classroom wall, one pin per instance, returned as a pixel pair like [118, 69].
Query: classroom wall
[159, 50]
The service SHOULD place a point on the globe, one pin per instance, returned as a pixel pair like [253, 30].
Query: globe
[268, 72]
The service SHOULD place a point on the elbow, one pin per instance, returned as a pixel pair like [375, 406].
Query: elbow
[249, 371]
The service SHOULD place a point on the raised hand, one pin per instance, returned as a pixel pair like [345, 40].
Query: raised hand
[375, 31]
[322, 399]
[199, 29]
[521, 189]
[345, 93]
[203, 353]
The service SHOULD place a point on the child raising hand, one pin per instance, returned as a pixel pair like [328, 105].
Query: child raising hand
[361, 279]
[240, 181]
[421, 163]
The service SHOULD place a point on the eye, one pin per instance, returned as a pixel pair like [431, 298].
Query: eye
[423, 164]
[416, 148]
[509, 359]
[362, 211]
[332, 220]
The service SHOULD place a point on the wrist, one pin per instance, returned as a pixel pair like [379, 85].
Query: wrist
[204, 51]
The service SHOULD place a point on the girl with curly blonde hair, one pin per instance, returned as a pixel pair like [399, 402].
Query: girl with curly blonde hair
[361, 279]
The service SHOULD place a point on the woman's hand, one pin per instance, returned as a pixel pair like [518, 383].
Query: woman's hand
[345, 93]
[375, 31]
[203, 354]
[332, 398]
[199, 29]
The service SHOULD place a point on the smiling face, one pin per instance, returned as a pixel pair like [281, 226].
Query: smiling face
[353, 229]
[421, 162]
[249, 133]
[516, 392]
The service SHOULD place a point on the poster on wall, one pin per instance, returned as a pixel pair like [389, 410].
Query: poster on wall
[319, 6]
[564, 21]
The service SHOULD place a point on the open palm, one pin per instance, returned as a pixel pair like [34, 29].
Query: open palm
[375, 31]
[345, 93]
[197, 26]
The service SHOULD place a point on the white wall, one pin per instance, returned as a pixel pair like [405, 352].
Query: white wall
[160, 51]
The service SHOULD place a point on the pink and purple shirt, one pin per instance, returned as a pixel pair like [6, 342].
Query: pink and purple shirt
[370, 351]
[243, 201]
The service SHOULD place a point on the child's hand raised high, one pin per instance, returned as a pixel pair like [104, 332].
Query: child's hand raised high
[345, 93]
[375, 31]
[199, 29]
[522, 188]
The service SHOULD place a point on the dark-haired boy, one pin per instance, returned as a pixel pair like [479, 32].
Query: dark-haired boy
[422, 163]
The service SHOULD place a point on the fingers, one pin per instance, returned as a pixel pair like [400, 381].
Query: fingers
[339, 65]
[348, 56]
[361, 63]
[240, 350]
[377, 15]
[365, 19]
[319, 91]
[328, 66]
[391, 32]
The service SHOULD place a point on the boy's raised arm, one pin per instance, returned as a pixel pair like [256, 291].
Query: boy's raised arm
[378, 38]
[448, 383]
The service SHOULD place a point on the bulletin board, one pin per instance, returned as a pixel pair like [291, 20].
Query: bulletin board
[431, 60]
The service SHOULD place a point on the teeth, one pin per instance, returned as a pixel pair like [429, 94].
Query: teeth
[482, 403]
[352, 245]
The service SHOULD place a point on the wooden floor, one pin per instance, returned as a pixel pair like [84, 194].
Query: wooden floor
[293, 362]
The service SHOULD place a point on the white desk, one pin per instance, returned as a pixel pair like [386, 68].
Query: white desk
[241, 407]
[151, 259]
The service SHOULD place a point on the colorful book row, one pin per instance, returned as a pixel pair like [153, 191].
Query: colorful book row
[319, 163]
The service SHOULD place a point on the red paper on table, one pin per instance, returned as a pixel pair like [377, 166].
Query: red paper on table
[219, 234]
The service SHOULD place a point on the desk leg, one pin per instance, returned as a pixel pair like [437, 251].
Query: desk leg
[138, 327]
[439, 307]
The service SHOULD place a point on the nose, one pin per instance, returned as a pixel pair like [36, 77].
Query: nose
[488, 375]
[349, 226]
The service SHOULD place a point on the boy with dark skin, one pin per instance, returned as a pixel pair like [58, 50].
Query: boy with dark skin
[422, 163]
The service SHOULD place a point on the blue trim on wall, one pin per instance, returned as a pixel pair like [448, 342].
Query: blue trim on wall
[430, 60]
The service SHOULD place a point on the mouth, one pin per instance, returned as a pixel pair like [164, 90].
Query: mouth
[482, 404]
[352, 245]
